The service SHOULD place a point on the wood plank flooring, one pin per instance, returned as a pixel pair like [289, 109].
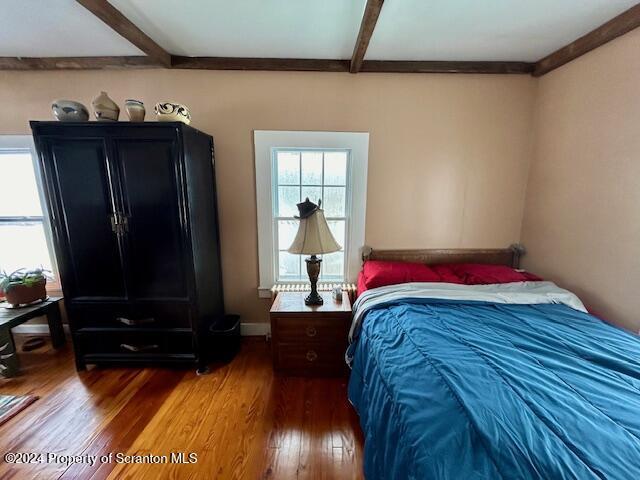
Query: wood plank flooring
[241, 421]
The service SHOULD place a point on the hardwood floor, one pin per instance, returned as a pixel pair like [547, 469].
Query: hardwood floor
[241, 421]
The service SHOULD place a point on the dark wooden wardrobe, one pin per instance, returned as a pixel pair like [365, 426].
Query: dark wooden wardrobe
[135, 226]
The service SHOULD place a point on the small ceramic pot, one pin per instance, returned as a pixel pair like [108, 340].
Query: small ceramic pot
[69, 111]
[135, 110]
[172, 112]
[105, 109]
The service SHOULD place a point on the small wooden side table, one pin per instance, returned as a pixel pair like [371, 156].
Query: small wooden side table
[310, 340]
[9, 318]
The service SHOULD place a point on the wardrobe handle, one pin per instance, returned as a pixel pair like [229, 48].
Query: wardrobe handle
[124, 221]
[311, 332]
[119, 223]
[312, 356]
[113, 218]
[133, 322]
[138, 348]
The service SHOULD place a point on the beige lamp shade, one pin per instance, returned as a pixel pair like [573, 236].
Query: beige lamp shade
[314, 236]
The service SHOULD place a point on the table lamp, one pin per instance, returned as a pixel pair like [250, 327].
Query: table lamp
[313, 238]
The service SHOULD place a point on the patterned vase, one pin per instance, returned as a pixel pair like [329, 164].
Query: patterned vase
[105, 109]
[135, 110]
[69, 111]
[172, 112]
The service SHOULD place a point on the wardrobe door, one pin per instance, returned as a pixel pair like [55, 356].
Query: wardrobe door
[81, 199]
[155, 231]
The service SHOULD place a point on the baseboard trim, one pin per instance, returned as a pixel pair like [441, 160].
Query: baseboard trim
[255, 329]
[246, 329]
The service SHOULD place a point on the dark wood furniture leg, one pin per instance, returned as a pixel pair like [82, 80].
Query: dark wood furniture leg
[9, 363]
[80, 364]
[55, 325]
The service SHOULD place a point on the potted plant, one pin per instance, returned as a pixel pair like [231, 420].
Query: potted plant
[23, 286]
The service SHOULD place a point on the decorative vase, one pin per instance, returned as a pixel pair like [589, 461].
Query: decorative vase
[17, 295]
[172, 112]
[105, 109]
[69, 111]
[135, 110]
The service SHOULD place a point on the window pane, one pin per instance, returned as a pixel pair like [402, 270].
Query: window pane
[312, 168]
[287, 199]
[18, 188]
[337, 230]
[288, 266]
[288, 168]
[335, 168]
[23, 245]
[333, 266]
[287, 230]
[313, 193]
[334, 201]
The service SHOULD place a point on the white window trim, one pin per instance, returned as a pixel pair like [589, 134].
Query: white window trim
[20, 142]
[265, 141]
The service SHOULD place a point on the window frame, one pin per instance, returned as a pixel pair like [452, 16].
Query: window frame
[266, 143]
[23, 143]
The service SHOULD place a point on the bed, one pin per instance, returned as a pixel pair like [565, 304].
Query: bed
[491, 381]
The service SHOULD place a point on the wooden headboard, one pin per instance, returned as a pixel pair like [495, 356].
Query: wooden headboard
[496, 256]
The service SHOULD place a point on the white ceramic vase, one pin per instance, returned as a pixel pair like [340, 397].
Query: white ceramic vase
[172, 112]
[135, 110]
[105, 109]
[69, 111]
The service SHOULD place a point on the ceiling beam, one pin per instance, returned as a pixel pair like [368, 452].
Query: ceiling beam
[623, 23]
[122, 25]
[403, 66]
[76, 63]
[269, 64]
[369, 20]
[158, 57]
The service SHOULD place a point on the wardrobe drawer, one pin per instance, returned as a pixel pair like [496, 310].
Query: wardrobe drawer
[134, 343]
[166, 315]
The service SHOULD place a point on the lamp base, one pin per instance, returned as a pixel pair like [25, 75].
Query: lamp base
[313, 298]
[313, 270]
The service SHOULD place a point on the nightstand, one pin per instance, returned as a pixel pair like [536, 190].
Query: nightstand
[309, 340]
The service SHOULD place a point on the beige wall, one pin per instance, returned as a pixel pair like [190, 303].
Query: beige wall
[582, 217]
[449, 154]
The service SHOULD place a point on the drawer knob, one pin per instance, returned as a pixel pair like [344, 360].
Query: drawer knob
[312, 356]
[311, 332]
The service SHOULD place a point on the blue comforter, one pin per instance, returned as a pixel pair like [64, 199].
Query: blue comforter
[466, 390]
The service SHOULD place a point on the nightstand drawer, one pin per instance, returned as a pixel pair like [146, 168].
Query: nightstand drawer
[299, 330]
[310, 360]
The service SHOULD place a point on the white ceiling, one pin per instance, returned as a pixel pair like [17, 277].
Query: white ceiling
[56, 28]
[525, 30]
[249, 28]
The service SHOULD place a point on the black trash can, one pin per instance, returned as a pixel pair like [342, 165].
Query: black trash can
[224, 339]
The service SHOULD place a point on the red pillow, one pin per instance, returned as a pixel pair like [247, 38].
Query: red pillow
[362, 287]
[378, 273]
[446, 274]
[482, 274]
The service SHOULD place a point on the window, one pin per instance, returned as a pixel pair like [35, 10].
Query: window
[320, 175]
[326, 166]
[24, 239]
